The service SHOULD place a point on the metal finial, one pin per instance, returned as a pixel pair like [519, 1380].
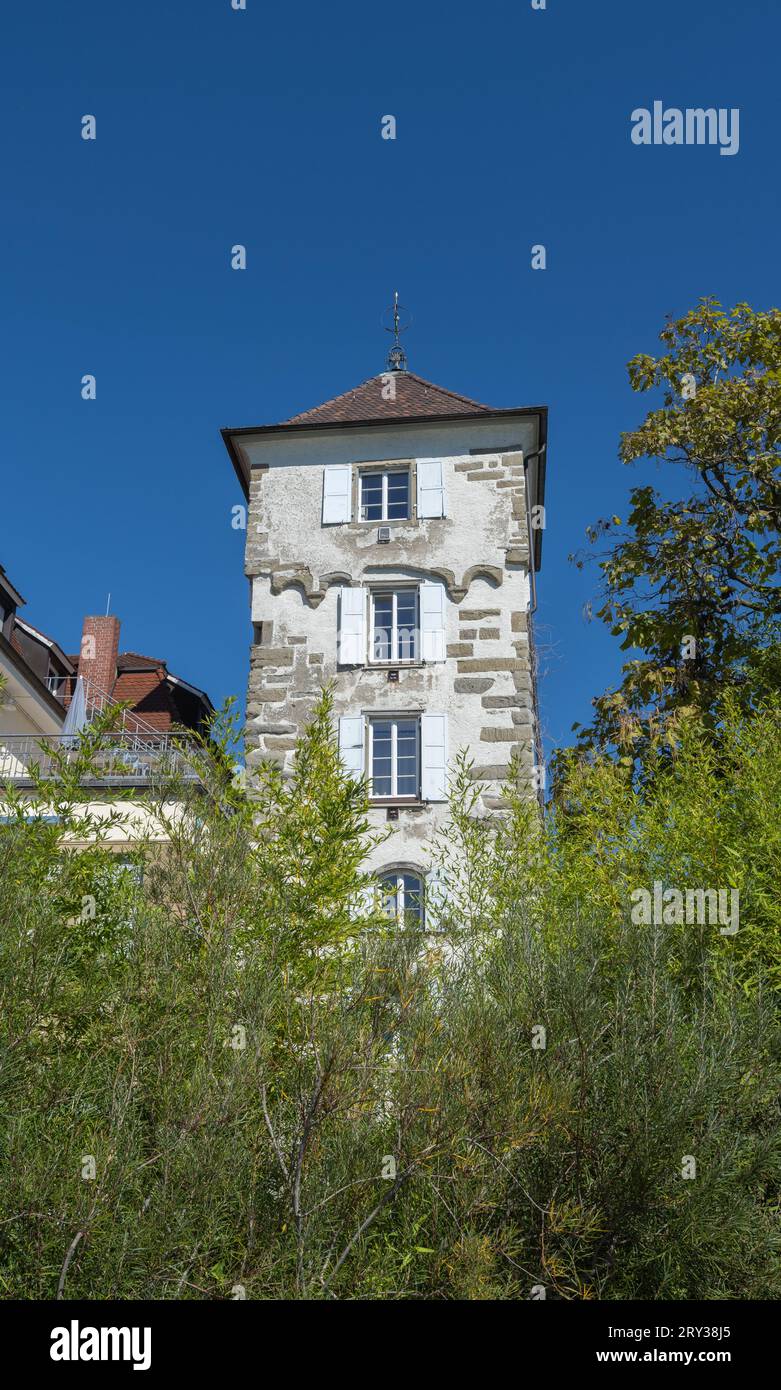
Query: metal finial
[397, 358]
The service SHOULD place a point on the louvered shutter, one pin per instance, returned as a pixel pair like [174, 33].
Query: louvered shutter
[435, 900]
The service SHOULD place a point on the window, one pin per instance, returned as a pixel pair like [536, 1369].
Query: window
[384, 496]
[402, 897]
[393, 490]
[407, 754]
[407, 624]
[394, 625]
[394, 758]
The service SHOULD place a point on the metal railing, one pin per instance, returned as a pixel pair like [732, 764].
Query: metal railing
[121, 757]
[62, 688]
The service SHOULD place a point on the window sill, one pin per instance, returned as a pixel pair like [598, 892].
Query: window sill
[393, 665]
[411, 803]
[381, 665]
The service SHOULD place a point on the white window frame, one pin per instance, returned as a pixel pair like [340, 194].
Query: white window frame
[399, 875]
[394, 659]
[394, 720]
[384, 473]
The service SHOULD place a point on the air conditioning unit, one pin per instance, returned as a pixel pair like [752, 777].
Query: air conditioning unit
[383, 534]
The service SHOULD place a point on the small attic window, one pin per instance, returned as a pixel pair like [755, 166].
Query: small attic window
[384, 495]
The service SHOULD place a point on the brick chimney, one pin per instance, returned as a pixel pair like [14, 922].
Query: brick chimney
[98, 653]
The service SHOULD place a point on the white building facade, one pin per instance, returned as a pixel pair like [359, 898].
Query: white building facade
[393, 538]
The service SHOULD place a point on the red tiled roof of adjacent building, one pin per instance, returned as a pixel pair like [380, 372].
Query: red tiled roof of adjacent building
[157, 697]
[413, 396]
[149, 696]
[142, 683]
[133, 661]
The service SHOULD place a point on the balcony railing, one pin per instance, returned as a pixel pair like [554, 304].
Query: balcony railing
[62, 688]
[118, 758]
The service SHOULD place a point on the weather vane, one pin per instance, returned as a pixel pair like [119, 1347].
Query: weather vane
[397, 358]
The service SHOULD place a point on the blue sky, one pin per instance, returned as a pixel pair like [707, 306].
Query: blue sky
[263, 127]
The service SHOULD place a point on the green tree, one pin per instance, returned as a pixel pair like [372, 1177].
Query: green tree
[693, 580]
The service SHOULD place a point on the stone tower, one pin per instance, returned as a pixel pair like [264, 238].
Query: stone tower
[393, 536]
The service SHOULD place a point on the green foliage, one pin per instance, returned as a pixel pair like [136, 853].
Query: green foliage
[283, 1093]
[702, 563]
[315, 833]
[706, 815]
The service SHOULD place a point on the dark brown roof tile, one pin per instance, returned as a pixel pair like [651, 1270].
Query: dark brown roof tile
[413, 396]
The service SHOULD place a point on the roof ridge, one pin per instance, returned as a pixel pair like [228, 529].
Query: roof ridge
[154, 659]
[406, 379]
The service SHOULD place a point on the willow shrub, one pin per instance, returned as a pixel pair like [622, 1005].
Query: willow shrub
[706, 815]
[234, 1078]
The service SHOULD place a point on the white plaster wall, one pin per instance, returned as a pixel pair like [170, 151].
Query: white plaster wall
[22, 710]
[433, 440]
[134, 821]
[476, 528]
[485, 524]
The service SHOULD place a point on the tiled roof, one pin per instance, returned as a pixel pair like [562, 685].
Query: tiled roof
[129, 661]
[413, 396]
[143, 683]
[133, 661]
[148, 696]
